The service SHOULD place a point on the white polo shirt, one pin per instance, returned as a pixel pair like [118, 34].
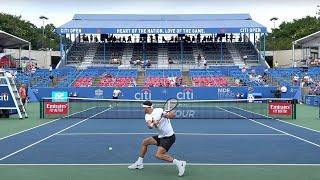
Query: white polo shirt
[116, 93]
[164, 129]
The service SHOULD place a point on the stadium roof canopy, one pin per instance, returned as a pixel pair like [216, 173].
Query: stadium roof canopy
[161, 24]
[10, 41]
[312, 40]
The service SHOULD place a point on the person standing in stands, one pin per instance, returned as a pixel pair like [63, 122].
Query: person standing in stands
[91, 38]
[157, 38]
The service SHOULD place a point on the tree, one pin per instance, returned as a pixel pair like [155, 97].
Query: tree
[290, 31]
[28, 31]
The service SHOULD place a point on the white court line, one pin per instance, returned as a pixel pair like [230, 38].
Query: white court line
[50, 136]
[42, 124]
[187, 134]
[275, 129]
[161, 164]
[280, 120]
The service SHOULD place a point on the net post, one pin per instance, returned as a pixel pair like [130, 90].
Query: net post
[319, 109]
[294, 112]
[41, 108]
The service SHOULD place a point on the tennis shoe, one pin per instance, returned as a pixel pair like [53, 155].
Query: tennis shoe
[181, 167]
[136, 165]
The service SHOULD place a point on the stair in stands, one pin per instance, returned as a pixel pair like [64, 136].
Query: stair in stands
[140, 79]
[127, 55]
[162, 56]
[196, 52]
[185, 79]
[235, 55]
[88, 58]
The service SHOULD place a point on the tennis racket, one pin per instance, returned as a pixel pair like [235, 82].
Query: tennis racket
[169, 106]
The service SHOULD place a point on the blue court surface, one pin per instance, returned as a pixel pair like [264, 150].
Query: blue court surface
[198, 141]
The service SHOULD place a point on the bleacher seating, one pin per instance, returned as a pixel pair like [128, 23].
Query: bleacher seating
[77, 52]
[162, 77]
[105, 77]
[210, 78]
[174, 53]
[247, 50]
[107, 52]
[83, 82]
[151, 52]
[283, 76]
[212, 53]
[210, 81]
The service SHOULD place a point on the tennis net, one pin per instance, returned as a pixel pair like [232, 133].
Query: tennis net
[83, 108]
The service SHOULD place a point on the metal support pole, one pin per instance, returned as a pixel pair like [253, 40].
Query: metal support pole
[264, 46]
[181, 51]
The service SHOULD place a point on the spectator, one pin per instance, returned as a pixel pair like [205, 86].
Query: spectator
[109, 75]
[163, 40]
[243, 69]
[231, 37]
[23, 93]
[137, 62]
[237, 82]
[131, 61]
[295, 80]
[198, 59]
[151, 38]
[91, 38]
[205, 63]
[245, 57]
[170, 61]
[51, 77]
[277, 93]
[157, 37]
[24, 66]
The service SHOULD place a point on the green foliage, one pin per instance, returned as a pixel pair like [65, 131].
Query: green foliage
[290, 31]
[28, 31]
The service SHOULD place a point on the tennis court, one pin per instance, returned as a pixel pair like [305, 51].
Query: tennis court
[236, 141]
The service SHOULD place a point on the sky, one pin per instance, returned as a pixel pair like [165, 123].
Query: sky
[62, 11]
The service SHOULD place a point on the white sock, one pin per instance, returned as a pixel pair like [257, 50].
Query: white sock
[140, 160]
[176, 162]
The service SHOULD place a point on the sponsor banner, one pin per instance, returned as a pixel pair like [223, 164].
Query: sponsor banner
[159, 30]
[59, 96]
[55, 108]
[161, 93]
[280, 108]
[6, 100]
[312, 100]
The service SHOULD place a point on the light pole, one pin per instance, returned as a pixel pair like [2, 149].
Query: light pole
[274, 19]
[43, 18]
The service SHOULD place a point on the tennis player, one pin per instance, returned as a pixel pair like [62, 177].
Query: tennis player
[160, 120]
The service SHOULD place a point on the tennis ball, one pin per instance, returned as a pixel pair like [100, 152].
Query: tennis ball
[110, 148]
